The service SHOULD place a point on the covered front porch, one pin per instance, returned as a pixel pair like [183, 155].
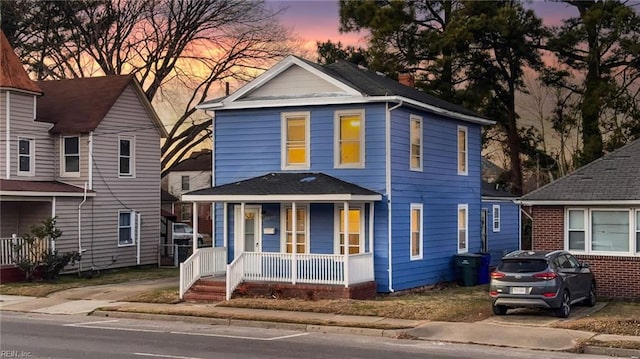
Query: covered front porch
[288, 229]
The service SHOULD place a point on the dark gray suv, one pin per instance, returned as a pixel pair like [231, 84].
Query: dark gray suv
[553, 280]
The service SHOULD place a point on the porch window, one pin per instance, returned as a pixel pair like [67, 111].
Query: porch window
[301, 230]
[349, 143]
[462, 151]
[71, 156]
[416, 143]
[496, 218]
[126, 228]
[576, 230]
[185, 212]
[125, 157]
[355, 231]
[416, 231]
[295, 140]
[463, 224]
[26, 156]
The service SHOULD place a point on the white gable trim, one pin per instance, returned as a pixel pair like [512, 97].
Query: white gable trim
[276, 198]
[578, 203]
[277, 70]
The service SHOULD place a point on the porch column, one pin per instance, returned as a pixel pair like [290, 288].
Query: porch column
[294, 243]
[370, 227]
[346, 243]
[242, 233]
[194, 220]
[225, 230]
[212, 210]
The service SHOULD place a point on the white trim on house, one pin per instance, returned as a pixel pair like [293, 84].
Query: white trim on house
[495, 219]
[631, 202]
[239, 228]
[464, 207]
[419, 208]
[45, 194]
[132, 226]
[463, 129]
[418, 119]
[273, 198]
[336, 228]
[7, 134]
[337, 140]
[284, 154]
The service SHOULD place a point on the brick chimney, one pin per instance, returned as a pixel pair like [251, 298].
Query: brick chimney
[407, 79]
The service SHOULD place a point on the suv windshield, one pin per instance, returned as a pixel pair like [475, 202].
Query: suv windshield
[522, 265]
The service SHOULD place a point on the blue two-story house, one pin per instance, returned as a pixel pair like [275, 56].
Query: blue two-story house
[334, 176]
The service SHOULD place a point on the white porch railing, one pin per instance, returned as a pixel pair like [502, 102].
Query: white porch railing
[309, 268]
[203, 262]
[8, 255]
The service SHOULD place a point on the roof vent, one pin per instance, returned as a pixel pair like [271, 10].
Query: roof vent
[308, 179]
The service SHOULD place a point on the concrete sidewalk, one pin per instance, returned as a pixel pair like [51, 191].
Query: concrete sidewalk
[494, 331]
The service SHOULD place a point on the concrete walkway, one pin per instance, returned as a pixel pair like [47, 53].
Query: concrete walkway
[518, 330]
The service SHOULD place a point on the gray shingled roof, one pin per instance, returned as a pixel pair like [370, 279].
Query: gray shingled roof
[614, 177]
[495, 191]
[287, 184]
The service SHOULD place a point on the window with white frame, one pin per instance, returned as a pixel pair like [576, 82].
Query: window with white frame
[416, 231]
[349, 151]
[184, 183]
[26, 156]
[185, 212]
[463, 224]
[355, 231]
[125, 156]
[496, 218]
[302, 229]
[295, 140]
[126, 228]
[415, 149]
[71, 156]
[463, 155]
[603, 230]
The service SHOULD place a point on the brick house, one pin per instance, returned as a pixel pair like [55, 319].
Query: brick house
[595, 214]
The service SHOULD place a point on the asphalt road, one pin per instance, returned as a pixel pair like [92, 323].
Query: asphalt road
[24, 335]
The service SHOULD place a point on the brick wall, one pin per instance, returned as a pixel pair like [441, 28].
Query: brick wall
[616, 277]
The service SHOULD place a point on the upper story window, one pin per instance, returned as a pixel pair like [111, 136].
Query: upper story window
[463, 154]
[416, 231]
[463, 225]
[415, 143]
[26, 156]
[185, 183]
[496, 218]
[295, 140]
[71, 156]
[349, 151]
[125, 157]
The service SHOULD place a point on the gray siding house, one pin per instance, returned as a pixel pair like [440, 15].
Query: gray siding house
[86, 151]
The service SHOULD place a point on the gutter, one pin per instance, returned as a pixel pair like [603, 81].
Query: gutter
[388, 186]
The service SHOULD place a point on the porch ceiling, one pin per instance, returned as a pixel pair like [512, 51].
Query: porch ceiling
[40, 189]
[285, 187]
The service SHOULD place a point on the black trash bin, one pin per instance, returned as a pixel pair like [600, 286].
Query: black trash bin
[483, 269]
[467, 265]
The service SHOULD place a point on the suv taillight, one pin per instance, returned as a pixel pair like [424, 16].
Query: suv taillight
[546, 275]
[497, 275]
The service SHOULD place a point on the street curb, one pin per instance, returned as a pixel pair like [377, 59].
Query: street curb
[615, 352]
[388, 333]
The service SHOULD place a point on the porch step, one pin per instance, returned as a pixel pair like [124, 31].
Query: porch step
[207, 290]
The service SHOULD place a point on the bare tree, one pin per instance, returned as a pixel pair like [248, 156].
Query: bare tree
[190, 45]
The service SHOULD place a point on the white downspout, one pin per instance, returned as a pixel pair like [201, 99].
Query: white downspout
[7, 134]
[91, 160]
[194, 219]
[213, 178]
[138, 215]
[388, 186]
[80, 228]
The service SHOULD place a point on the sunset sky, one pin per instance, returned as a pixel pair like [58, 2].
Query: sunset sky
[318, 20]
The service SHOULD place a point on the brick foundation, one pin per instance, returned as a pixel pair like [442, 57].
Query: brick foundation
[616, 277]
[306, 291]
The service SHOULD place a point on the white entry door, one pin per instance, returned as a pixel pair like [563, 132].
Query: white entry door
[251, 239]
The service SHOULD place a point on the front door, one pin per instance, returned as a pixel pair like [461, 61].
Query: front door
[251, 239]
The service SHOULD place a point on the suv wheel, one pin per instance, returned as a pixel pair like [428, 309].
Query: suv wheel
[591, 300]
[565, 308]
[499, 310]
